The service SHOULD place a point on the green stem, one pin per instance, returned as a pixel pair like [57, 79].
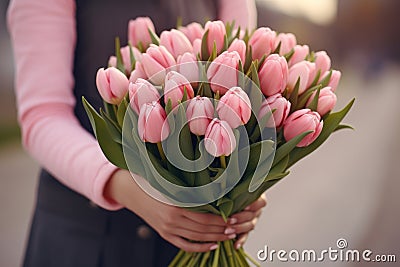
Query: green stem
[242, 259]
[216, 256]
[223, 161]
[250, 258]
[206, 256]
[229, 252]
[177, 258]
[160, 149]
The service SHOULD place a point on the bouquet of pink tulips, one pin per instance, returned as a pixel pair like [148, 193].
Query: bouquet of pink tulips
[213, 116]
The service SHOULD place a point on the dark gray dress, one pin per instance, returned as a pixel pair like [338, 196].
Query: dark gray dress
[67, 229]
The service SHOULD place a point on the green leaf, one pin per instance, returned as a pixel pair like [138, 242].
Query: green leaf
[330, 124]
[254, 74]
[121, 112]
[204, 47]
[277, 49]
[316, 78]
[111, 149]
[289, 55]
[249, 59]
[225, 206]
[294, 96]
[287, 147]
[343, 126]
[314, 103]
[112, 127]
[154, 38]
[120, 62]
[168, 107]
[325, 81]
[132, 57]
[302, 100]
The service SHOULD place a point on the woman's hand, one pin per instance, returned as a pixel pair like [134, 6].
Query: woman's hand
[178, 225]
[243, 222]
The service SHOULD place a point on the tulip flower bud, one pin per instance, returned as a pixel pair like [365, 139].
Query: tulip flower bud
[287, 41]
[152, 124]
[199, 113]
[223, 72]
[138, 31]
[112, 85]
[300, 54]
[281, 106]
[175, 42]
[216, 34]
[126, 58]
[138, 72]
[262, 42]
[197, 47]
[322, 62]
[240, 47]
[301, 121]
[304, 70]
[326, 101]
[334, 81]
[142, 92]
[155, 62]
[234, 107]
[193, 31]
[188, 67]
[273, 75]
[219, 139]
[175, 85]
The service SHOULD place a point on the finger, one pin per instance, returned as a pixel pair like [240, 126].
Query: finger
[190, 225]
[244, 227]
[190, 246]
[241, 240]
[204, 237]
[204, 218]
[258, 204]
[242, 217]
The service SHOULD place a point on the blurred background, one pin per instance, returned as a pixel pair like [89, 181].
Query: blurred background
[348, 189]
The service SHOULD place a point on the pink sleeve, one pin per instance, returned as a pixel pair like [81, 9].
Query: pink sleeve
[43, 36]
[243, 12]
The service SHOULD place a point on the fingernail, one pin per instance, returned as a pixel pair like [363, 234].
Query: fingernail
[238, 246]
[232, 236]
[229, 231]
[247, 208]
[214, 247]
[232, 221]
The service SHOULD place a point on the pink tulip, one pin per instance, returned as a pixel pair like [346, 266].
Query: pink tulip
[142, 92]
[188, 67]
[288, 42]
[334, 81]
[155, 62]
[234, 107]
[197, 47]
[282, 109]
[300, 54]
[216, 34]
[273, 75]
[223, 72]
[112, 85]
[138, 31]
[138, 72]
[152, 124]
[240, 47]
[175, 85]
[193, 31]
[219, 138]
[322, 61]
[326, 101]
[126, 58]
[199, 113]
[304, 70]
[262, 42]
[301, 121]
[175, 42]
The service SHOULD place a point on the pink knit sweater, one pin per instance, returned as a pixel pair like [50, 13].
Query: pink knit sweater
[43, 36]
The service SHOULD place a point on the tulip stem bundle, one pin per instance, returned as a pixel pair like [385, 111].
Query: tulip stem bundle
[214, 135]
